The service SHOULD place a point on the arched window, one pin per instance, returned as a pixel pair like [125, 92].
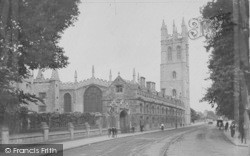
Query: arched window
[178, 49]
[169, 54]
[141, 108]
[67, 102]
[174, 74]
[93, 99]
[174, 93]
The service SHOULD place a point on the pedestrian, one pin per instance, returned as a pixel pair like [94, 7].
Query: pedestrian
[109, 131]
[141, 128]
[219, 125]
[115, 132]
[226, 126]
[222, 125]
[232, 129]
[133, 129]
[162, 126]
[112, 131]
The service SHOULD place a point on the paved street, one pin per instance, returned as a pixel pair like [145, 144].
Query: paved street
[205, 141]
[197, 140]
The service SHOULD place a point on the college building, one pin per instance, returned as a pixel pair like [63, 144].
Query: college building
[125, 103]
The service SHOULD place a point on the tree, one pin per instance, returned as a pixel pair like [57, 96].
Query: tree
[194, 115]
[29, 34]
[221, 62]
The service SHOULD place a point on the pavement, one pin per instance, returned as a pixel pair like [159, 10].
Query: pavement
[235, 140]
[206, 141]
[87, 141]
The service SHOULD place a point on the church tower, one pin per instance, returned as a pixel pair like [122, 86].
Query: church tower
[174, 80]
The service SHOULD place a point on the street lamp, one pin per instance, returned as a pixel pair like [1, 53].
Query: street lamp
[176, 116]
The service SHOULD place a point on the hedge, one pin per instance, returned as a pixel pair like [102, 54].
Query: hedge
[24, 121]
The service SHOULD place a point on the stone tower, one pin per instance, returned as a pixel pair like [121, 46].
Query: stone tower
[54, 91]
[175, 65]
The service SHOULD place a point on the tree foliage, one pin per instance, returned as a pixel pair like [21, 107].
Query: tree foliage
[29, 34]
[194, 115]
[221, 61]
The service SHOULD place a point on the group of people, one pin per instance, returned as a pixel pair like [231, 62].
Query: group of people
[232, 127]
[112, 132]
[162, 127]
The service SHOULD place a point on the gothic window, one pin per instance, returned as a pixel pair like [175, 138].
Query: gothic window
[178, 49]
[42, 108]
[42, 95]
[174, 74]
[67, 102]
[93, 99]
[174, 93]
[119, 88]
[141, 108]
[169, 54]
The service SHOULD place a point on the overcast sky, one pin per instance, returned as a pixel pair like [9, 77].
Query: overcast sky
[124, 34]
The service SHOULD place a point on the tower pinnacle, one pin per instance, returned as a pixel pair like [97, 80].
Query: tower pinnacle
[93, 71]
[134, 75]
[164, 31]
[40, 74]
[110, 75]
[183, 28]
[183, 21]
[75, 76]
[55, 75]
[138, 78]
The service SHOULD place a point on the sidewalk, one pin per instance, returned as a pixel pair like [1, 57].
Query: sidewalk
[87, 141]
[235, 140]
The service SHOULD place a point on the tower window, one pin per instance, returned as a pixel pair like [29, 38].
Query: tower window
[174, 93]
[42, 95]
[178, 49]
[169, 54]
[174, 74]
[42, 108]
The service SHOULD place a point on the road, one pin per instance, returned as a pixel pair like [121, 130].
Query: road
[195, 140]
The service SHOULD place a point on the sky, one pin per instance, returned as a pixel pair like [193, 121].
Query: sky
[120, 35]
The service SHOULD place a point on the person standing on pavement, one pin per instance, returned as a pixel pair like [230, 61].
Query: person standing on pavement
[115, 132]
[232, 129]
[162, 126]
[226, 126]
[109, 131]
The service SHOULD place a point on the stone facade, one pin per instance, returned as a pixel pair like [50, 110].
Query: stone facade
[124, 103]
[175, 65]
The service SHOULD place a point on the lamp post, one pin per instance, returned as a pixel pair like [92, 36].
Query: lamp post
[176, 117]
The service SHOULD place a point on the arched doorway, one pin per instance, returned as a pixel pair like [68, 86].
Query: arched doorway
[67, 102]
[93, 99]
[124, 122]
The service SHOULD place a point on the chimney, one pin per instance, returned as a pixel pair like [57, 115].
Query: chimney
[149, 86]
[153, 86]
[142, 81]
[163, 91]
